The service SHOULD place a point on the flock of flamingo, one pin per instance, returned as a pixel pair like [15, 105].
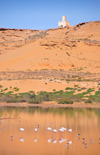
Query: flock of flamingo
[52, 139]
[62, 129]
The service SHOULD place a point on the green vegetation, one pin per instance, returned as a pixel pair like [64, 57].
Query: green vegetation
[67, 79]
[16, 89]
[1, 86]
[79, 89]
[62, 97]
[88, 101]
[86, 79]
[68, 88]
[65, 101]
[75, 85]
[79, 78]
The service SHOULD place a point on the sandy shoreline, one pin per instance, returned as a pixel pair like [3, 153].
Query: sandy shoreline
[50, 104]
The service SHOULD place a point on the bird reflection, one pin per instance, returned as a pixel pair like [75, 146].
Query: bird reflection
[54, 141]
[62, 140]
[35, 139]
[49, 140]
[21, 139]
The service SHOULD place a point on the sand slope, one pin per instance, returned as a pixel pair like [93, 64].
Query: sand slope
[75, 49]
[66, 48]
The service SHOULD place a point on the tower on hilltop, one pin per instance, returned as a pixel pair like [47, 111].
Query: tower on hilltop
[63, 23]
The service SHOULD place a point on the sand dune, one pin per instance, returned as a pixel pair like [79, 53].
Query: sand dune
[76, 48]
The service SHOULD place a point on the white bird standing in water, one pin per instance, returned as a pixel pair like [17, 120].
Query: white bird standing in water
[49, 129]
[70, 130]
[70, 142]
[22, 129]
[63, 128]
[54, 130]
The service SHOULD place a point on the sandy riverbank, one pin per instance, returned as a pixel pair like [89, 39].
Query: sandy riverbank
[51, 104]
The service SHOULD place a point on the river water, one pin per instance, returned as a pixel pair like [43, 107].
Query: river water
[84, 138]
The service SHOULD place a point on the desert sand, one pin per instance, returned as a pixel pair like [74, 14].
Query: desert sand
[42, 60]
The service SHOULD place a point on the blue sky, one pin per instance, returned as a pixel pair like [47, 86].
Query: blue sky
[45, 14]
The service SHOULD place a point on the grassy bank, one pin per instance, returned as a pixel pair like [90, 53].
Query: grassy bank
[62, 97]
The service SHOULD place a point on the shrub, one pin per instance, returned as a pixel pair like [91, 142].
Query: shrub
[5, 89]
[9, 92]
[68, 88]
[79, 89]
[27, 95]
[46, 96]
[83, 88]
[36, 100]
[1, 86]
[68, 75]
[65, 101]
[51, 80]
[75, 85]
[86, 80]
[79, 78]
[88, 101]
[16, 89]
[67, 79]
[97, 93]
[90, 90]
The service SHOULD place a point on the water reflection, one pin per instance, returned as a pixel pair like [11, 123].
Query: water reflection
[47, 131]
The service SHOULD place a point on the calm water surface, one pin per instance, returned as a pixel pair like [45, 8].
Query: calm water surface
[85, 122]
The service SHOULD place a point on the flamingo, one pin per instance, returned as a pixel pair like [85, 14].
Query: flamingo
[54, 130]
[22, 129]
[49, 128]
[63, 128]
[70, 142]
[69, 130]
